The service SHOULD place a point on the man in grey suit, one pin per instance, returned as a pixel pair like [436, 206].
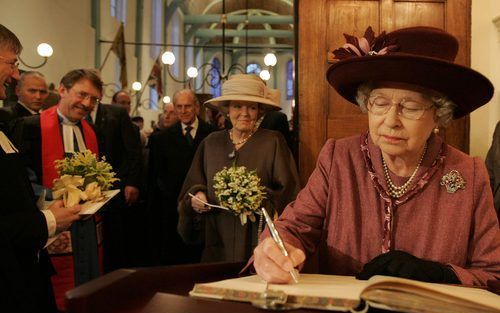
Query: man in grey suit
[170, 156]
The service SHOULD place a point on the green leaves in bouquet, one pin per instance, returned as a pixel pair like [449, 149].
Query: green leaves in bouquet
[86, 165]
[239, 189]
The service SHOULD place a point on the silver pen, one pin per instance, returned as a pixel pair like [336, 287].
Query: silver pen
[279, 242]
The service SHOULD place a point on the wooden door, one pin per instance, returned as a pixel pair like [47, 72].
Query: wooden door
[321, 23]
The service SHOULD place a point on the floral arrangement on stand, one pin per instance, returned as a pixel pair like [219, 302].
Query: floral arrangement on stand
[239, 190]
[82, 178]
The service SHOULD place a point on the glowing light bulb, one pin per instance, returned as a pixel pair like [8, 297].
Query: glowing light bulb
[192, 72]
[166, 99]
[265, 75]
[136, 86]
[168, 58]
[270, 59]
[44, 50]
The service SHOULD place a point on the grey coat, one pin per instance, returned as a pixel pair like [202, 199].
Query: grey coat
[221, 232]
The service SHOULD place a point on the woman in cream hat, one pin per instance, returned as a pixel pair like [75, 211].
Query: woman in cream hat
[245, 98]
[396, 200]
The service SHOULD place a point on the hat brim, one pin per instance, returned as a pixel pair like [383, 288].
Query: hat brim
[467, 88]
[222, 101]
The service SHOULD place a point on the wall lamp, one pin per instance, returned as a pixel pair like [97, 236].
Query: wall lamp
[44, 50]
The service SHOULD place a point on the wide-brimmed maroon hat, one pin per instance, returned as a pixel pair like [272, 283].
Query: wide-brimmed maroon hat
[421, 56]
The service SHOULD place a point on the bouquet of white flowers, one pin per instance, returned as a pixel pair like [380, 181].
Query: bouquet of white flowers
[239, 190]
[82, 177]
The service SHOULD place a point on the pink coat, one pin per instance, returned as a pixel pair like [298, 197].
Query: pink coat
[341, 213]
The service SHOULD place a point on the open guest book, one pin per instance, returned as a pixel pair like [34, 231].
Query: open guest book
[346, 293]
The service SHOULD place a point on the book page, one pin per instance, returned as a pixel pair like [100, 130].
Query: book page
[445, 293]
[327, 286]
[343, 293]
[326, 292]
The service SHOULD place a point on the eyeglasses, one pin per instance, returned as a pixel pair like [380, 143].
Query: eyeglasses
[85, 96]
[407, 108]
[14, 64]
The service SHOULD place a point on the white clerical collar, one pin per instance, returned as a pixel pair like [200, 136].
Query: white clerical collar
[70, 132]
[33, 112]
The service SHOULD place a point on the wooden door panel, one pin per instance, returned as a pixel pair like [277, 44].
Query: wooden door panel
[351, 17]
[312, 89]
[438, 1]
[418, 14]
[338, 106]
[347, 125]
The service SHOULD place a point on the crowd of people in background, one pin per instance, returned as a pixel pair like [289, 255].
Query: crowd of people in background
[139, 226]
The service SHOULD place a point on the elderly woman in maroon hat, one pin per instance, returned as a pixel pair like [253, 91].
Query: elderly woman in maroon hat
[225, 237]
[396, 200]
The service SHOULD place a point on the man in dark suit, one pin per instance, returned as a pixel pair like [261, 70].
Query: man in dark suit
[24, 230]
[493, 166]
[122, 99]
[170, 156]
[31, 91]
[275, 120]
[120, 143]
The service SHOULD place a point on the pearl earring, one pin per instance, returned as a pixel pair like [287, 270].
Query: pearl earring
[436, 130]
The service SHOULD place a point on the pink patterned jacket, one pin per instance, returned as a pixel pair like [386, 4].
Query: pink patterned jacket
[339, 216]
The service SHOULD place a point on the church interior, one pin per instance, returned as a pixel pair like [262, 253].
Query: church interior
[158, 52]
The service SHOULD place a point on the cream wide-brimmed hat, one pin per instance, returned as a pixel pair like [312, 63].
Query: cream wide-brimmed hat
[246, 87]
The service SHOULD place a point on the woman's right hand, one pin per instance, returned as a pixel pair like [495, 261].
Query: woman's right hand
[197, 205]
[272, 265]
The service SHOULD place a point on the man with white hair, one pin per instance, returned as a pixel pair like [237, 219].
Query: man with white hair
[171, 151]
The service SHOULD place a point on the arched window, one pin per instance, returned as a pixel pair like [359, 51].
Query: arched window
[119, 9]
[289, 80]
[153, 99]
[156, 25]
[216, 88]
[253, 68]
[176, 40]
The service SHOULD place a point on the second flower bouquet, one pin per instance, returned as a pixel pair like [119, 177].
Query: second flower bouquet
[239, 190]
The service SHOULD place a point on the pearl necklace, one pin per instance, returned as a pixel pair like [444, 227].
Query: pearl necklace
[242, 141]
[398, 191]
